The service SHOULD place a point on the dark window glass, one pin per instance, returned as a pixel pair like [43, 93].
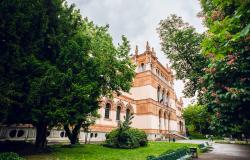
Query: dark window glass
[20, 133]
[158, 94]
[12, 133]
[127, 112]
[91, 135]
[96, 135]
[107, 110]
[118, 113]
[62, 134]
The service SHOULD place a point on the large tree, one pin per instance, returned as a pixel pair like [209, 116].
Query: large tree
[33, 33]
[197, 118]
[226, 82]
[107, 69]
[181, 44]
[55, 65]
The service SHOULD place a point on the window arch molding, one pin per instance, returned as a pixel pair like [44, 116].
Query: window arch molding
[130, 107]
[119, 108]
[111, 102]
[121, 104]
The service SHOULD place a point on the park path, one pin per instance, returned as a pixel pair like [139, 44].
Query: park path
[227, 152]
[223, 151]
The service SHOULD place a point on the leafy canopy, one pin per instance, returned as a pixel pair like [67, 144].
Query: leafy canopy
[226, 82]
[181, 44]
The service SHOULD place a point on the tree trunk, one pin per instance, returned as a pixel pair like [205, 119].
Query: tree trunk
[41, 135]
[73, 135]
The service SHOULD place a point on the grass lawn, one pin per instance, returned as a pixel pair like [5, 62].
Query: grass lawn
[98, 152]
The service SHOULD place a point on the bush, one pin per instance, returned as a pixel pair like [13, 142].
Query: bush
[10, 156]
[196, 135]
[130, 138]
[126, 137]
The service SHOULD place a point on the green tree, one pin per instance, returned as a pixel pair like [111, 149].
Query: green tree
[107, 69]
[55, 65]
[197, 118]
[226, 82]
[32, 86]
[181, 44]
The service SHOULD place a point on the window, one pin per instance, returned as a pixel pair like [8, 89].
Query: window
[163, 97]
[142, 67]
[107, 110]
[159, 119]
[12, 133]
[118, 113]
[96, 135]
[91, 135]
[127, 112]
[158, 93]
[165, 119]
[62, 134]
[20, 133]
[167, 98]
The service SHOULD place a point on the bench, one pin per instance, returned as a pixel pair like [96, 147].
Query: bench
[202, 147]
[179, 154]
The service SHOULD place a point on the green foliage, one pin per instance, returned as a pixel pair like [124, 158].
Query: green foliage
[196, 118]
[97, 68]
[10, 156]
[171, 155]
[216, 64]
[196, 135]
[226, 82]
[125, 136]
[54, 65]
[32, 84]
[181, 44]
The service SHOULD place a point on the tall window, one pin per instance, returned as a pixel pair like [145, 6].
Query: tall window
[159, 119]
[118, 113]
[165, 118]
[163, 96]
[167, 98]
[158, 93]
[107, 110]
[142, 67]
[127, 112]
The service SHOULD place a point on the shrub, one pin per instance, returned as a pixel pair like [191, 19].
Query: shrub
[126, 137]
[196, 135]
[10, 156]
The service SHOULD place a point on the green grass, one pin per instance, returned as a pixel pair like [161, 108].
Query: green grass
[98, 152]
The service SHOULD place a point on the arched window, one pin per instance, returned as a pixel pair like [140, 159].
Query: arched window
[181, 126]
[159, 119]
[165, 120]
[127, 112]
[167, 98]
[107, 110]
[158, 93]
[142, 67]
[118, 113]
[163, 97]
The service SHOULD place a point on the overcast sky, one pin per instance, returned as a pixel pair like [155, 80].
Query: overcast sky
[138, 20]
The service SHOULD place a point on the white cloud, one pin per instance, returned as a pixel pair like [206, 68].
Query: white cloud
[138, 20]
